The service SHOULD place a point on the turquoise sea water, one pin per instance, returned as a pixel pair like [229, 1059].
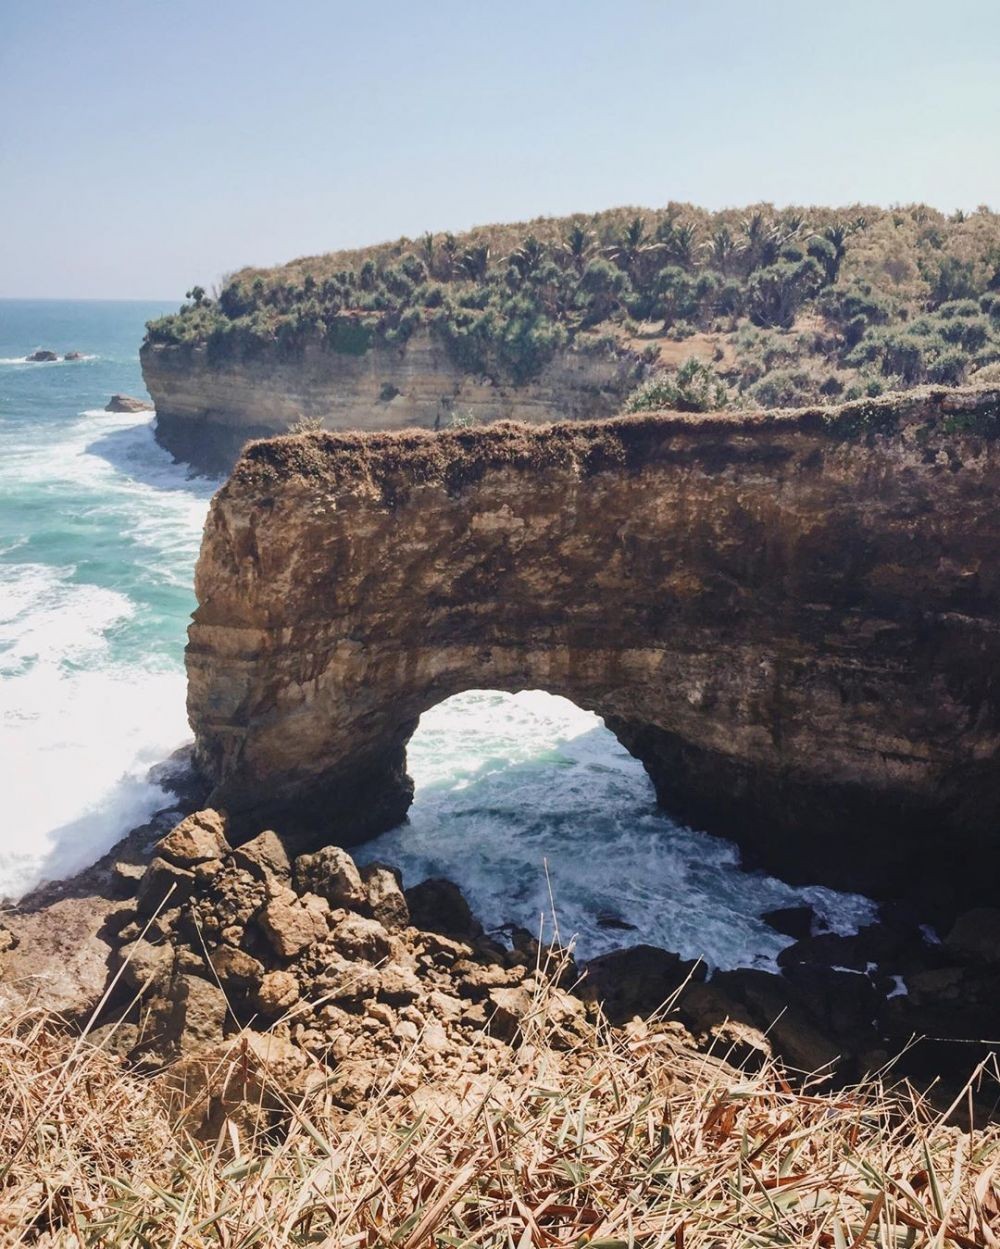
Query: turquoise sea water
[516, 794]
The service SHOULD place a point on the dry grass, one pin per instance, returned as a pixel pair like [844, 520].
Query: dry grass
[626, 1139]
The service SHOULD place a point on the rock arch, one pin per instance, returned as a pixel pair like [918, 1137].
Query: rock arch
[793, 620]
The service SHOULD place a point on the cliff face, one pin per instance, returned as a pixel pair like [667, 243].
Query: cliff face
[206, 412]
[792, 620]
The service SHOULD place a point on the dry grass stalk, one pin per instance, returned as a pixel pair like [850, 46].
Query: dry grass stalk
[628, 1138]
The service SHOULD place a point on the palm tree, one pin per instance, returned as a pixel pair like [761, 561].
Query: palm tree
[527, 258]
[475, 262]
[720, 249]
[578, 247]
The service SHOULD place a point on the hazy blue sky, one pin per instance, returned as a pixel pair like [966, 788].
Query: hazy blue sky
[146, 146]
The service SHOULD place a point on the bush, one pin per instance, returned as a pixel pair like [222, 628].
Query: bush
[693, 388]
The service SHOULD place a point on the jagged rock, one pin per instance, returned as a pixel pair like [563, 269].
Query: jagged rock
[359, 938]
[265, 856]
[58, 956]
[442, 950]
[42, 357]
[73, 355]
[145, 966]
[250, 1081]
[350, 1083]
[189, 1015]
[196, 839]
[343, 981]
[438, 905]
[398, 985]
[289, 925]
[752, 559]
[333, 874]
[125, 878]
[791, 921]
[976, 934]
[277, 991]
[163, 887]
[386, 899]
[236, 968]
[636, 981]
[127, 403]
[473, 980]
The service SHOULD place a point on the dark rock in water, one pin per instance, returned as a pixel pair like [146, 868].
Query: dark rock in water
[73, 355]
[637, 981]
[976, 934]
[793, 921]
[608, 919]
[438, 905]
[127, 403]
[41, 357]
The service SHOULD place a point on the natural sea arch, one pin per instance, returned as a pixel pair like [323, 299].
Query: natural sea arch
[792, 620]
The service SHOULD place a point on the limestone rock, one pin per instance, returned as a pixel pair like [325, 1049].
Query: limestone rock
[398, 985]
[127, 403]
[332, 874]
[289, 925]
[196, 839]
[976, 934]
[145, 966]
[250, 1081]
[385, 896]
[359, 938]
[713, 585]
[191, 1014]
[236, 968]
[163, 887]
[276, 993]
[438, 905]
[264, 856]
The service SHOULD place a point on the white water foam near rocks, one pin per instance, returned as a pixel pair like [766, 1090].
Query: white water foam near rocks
[99, 533]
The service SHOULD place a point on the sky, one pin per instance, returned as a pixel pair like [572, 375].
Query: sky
[148, 145]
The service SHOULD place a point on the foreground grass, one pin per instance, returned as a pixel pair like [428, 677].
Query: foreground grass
[627, 1139]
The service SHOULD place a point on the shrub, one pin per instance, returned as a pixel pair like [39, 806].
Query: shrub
[693, 388]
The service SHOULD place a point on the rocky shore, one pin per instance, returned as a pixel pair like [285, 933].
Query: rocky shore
[180, 945]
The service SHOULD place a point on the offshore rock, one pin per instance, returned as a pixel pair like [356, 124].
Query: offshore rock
[126, 403]
[792, 619]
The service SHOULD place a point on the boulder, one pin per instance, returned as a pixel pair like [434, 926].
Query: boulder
[289, 925]
[792, 921]
[386, 900]
[236, 968]
[145, 966]
[191, 1014]
[277, 991]
[127, 403]
[249, 1081]
[73, 355]
[196, 839]
[332, 874]
[359, 938]
[976, 935]
[636, 981]
[265, 857]
[41, 357]
[163, 887]
[438, 905]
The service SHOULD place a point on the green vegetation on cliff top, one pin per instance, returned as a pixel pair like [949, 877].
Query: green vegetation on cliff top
[778, 307]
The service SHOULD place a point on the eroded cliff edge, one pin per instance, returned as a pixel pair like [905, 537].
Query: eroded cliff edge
[207, 409]
[792, 619]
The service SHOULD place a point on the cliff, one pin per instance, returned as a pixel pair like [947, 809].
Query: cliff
[792, 619]
[206, 411]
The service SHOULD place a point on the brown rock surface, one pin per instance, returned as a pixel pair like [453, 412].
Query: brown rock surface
[792, 619]
[206, 412]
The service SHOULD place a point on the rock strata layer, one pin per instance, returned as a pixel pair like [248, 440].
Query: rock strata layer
[206, 410]
[792, 619]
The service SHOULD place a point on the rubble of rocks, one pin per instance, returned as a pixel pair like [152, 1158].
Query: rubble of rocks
[322, 958]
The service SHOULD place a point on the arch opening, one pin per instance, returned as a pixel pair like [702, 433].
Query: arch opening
[519, 794]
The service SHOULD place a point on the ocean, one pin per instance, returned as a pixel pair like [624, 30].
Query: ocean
[524, 800]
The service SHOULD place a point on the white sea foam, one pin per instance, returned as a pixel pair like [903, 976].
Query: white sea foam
[520, 793]
[84, 715]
